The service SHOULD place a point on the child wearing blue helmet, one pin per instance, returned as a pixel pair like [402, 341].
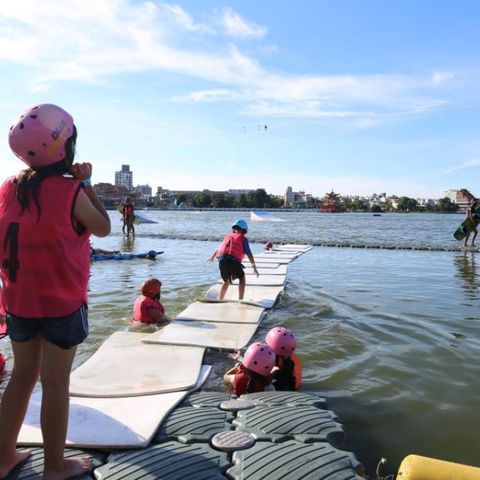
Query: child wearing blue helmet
[230, 254]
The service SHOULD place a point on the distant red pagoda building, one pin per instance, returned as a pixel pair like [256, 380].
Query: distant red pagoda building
[332, 203]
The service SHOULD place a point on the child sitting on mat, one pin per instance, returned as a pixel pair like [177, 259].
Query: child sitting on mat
[147, 307]
[253, 373]
[287, 372]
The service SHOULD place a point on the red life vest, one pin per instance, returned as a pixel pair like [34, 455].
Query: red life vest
[141, 306]
[44, 261]
[232, 245]
[297, 369]
[241, 383]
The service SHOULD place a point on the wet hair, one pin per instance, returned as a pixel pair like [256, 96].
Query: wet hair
[256, 381]
[284, 378]
[28, 181]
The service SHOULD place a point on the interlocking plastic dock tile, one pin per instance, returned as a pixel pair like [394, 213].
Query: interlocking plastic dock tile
[191, 424]
[205, 399]
[33, 467]
[294, 461]
[166, 461]
[284, 422]
[286, 398]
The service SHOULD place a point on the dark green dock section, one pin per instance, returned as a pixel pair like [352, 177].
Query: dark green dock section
[296, 438]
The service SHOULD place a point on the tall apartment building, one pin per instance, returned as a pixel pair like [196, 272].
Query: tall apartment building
[124, 177]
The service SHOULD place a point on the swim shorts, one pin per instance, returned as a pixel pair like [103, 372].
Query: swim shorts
[64, 332]
[230, 269]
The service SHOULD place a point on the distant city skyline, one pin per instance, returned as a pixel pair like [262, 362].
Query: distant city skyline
[358, 97]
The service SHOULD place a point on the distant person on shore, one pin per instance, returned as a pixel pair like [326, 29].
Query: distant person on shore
[147, 307]
[47, 213]
[269, 245]
[252, 373]
[287, 372]
[230, 254]
[128, 214]
[473, 213]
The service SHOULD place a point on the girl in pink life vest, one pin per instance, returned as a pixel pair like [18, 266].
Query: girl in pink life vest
[253, 373]
[47, 213]
[147, 307]
[230, 255]
[287, 372]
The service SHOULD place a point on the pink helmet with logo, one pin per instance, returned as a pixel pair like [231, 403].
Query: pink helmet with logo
[259, 358]
[282, 341]
[38, 137]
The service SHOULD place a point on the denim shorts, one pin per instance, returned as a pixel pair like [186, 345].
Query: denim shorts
[64, 332]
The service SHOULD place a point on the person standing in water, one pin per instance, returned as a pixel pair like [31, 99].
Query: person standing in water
[473, 213]
[47, 213]
[230, 255]
[128, 213]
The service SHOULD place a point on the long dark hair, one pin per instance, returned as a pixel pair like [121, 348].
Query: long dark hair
[29, 180]
[256, 381]
[284, 378]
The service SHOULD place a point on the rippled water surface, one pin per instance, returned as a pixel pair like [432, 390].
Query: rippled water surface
[388, 331]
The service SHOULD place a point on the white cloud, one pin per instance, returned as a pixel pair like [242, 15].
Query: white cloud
[238, 27]
[88, 40]
[464, 165]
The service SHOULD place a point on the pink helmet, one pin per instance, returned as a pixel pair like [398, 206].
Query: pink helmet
[259, 358]
[39, 135]
[282, 341]
[269, 245]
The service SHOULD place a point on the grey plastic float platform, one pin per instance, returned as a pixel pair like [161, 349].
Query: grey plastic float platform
[294, 461]
[278, 423]
[193, 424]
[166, 461]
[33, 467]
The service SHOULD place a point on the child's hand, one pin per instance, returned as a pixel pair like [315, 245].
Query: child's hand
[81, 171]
[235, 355]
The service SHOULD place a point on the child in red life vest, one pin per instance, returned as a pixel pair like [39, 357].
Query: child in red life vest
[147, 307]
[287, 373]
[47, 213]
[230, 255]
[253, 373]
[128, 215]
[2, 363]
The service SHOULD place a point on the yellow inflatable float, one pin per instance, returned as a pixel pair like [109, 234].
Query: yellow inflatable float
[415, 467]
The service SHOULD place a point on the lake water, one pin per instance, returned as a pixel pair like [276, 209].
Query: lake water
[387, 327]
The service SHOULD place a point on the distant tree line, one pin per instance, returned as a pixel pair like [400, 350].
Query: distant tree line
[256, 199]
[404, 204]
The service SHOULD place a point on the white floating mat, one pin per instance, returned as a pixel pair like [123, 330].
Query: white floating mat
[278, 270]
[265, 258]
[293, 247]
[264, 296]
[264, 265]
[283, 255]
[262, 280]
[108, 423]
[204, 334]
[222, 312]
[124, 366]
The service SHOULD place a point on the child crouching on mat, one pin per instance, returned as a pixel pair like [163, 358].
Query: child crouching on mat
[147, 307]
[287, 372]
[253, 373]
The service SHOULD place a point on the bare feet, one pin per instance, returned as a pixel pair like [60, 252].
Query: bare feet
[19, 457]
[71, 468]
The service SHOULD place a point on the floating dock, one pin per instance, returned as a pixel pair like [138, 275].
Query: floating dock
[136, 405]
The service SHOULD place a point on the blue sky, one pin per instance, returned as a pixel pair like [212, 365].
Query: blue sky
[361, 96]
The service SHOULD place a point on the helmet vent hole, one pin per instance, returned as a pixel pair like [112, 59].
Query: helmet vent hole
[31, 153]
[44, 144]
[33, 116]
[22, 126]
[255, 362]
